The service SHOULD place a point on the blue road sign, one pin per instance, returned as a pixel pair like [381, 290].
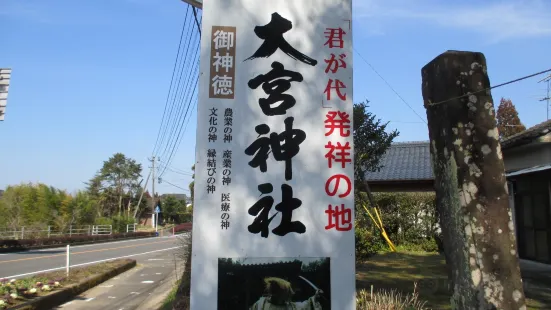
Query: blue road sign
[157, 209]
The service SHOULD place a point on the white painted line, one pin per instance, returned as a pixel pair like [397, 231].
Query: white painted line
[143, 274]
[111, 297]
[106, 286]
[89, 299]
[134, 293]
[89, 263]
[156, 259]
[116, 278]
[158, 273]
[148, 281]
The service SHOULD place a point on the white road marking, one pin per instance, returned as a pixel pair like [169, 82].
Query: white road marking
[148, 281]
[156, 259]
[116, 278]
[111, 297]
[158, 273]
[107, 286]
[89, 299]
[89, 263]
[134, 293]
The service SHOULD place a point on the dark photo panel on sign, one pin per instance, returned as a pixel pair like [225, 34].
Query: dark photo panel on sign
[298, 283]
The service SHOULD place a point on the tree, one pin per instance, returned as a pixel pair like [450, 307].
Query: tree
[116, 180]
[370, 141]
[173, 208]
[508, 122]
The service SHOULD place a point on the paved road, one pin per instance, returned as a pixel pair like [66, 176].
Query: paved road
[141, 288]
[22, 264]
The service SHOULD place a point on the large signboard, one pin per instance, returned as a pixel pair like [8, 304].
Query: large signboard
[274, 207]
[5, 75]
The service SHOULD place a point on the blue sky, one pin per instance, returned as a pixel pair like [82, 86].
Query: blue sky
[90, 77]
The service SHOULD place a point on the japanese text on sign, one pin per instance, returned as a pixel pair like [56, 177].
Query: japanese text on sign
[222, 62]
[337, 123]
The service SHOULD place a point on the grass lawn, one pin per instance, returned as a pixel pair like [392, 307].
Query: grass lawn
[401, 270]
[168, 303]
[32, 287]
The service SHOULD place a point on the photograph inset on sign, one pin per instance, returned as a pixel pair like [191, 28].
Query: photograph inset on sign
[298, 283]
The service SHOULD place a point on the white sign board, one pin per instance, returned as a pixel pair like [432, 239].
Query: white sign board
[5, 75]
[273, 217]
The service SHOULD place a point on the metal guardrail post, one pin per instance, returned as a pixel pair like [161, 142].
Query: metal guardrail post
[22, 233]
[110, 229]
[49, 231]
[70, 230]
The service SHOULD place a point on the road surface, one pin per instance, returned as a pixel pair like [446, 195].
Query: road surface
[24, 264]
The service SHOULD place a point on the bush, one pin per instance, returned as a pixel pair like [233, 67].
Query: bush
[64, 240]
[183, 227]
[389, 300]
[410, 220]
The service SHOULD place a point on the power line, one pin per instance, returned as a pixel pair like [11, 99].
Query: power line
[164, 181]
[174, 168]
[177, 141]
[391, 88]
[171, 79]
[492, 87]
[169, 148]
[177, 93]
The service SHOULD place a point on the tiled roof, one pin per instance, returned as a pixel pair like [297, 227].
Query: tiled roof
[527, 136]
[405, 161]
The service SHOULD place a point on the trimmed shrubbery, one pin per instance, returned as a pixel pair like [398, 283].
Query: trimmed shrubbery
[75, 239]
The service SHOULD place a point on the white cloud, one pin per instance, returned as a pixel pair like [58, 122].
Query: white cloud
[497, 21]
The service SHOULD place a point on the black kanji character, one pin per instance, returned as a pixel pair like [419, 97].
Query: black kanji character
[260, 148]
[225, 224]
[211, 189]
[228, 112]
[274, 85]
[272, 34]
[227, 154]
[261, 222]
[228, 138]
[225, 207]
[213, 112]
[286, 207]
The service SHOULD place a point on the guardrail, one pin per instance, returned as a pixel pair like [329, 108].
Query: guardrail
[30, 233]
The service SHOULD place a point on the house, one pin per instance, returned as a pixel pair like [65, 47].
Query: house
[407, 166]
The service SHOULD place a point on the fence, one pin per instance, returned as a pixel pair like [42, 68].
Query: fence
[30, 233]
[130, 228]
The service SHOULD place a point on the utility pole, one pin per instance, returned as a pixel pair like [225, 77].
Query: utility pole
[548, 97]
[5, 75]
[471, 189]
[153, 224]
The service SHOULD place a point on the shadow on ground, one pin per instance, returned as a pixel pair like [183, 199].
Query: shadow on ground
[399, 271]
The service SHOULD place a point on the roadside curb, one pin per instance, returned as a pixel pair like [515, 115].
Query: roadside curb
[50, 246]
[60, 297]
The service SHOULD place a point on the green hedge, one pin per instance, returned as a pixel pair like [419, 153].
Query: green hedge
[409, 220]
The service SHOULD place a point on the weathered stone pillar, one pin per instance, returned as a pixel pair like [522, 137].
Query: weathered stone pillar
[471, 190]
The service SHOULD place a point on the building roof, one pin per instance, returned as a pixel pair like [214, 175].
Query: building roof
[527, 136]
[404, 161]
[410, 161]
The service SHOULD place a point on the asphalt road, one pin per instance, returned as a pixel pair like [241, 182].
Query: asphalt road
[141, 288]
[23, 264]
